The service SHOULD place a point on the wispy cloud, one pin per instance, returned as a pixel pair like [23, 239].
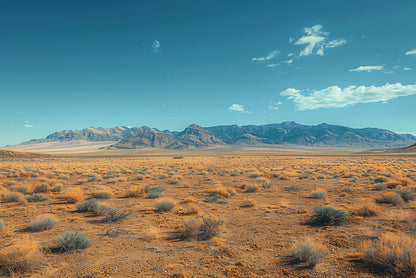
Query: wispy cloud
[316, 40]
[411, 52]
[269, 56]
[335, 97]
[26, 125]
[275, 105]
[156, 46]
[368, 68]
[407, 68]
[238, 108]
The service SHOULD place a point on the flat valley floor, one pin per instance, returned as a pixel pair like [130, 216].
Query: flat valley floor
[261, 203]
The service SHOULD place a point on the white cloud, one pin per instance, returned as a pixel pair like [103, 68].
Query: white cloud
[156, 46]
[411, 52]
[368, 68]
[275, 105]
[272, 65]
[316, 40]
[335, 97]
[238, 108]
[269, 56]
[26, 125]
[407, 68]
[289, 62]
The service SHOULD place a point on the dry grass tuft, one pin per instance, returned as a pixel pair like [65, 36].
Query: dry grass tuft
[366, 210]
[20, 257]
[393, 253]
[309, 251]
[71, 197]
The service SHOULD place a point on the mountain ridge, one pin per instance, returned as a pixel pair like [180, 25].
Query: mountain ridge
[195, 136]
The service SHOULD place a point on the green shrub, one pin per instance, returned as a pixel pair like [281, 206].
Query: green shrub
[89, 205]
[406, 195]
[41, 188]
[37, 198]
[102, 195]
[327, 216]
[380, 186]
[13, 197]
[380, 179]
[164, 206]
[155, 192]
[42, 223]
[70, 241]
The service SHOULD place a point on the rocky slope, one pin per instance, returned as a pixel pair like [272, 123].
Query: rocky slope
[197, 136]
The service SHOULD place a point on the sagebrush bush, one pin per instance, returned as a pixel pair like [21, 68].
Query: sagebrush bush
[164, 206]
[13, 197]
[41, 188]
[37, 198]
[20, 257]
[248, 203]
[390, 198]
[394, 254]
[89, 205]
[111, 214]
[380, 179]
[406, 195]
[155, 192]
[380, 186]
[70, 241]
[248, 188]
[308, 251]
[42, 223]
[203, 228]
[293, 188]
[318, 194]
[327, 216]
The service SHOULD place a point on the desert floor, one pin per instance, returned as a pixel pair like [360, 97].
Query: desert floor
[262, 203]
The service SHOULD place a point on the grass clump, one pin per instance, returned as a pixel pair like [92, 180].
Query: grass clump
[327, 216]
[89, 205]
[102, 195]
[19, 257]
[249, 203]
[293, 187]
[318, 194]
[165, 206]
[249, 188]
[203, 228]
[37, 198]
[155, 192]
[135, 192]
[309, 251]
[70, 241]
[380, 179]
[41, 188]
[71, 197]
[380, 186]
[366, 210]
[394, 254]
[13, 197]
[42, 223]
[406, 195]
[392, 198]
[111, 214]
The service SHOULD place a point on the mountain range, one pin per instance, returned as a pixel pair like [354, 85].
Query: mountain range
[270, 134]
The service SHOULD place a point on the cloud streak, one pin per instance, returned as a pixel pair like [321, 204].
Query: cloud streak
[367, 68]
[411, 52]
[316, 41]
[237, 108]
[336, 97]
[269, 56]
[156, 46]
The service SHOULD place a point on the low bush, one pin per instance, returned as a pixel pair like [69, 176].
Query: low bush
[309, 251]
[394, 254]
[380, 179]
[203, 228]
[380, 186]
[89, 205]
[13, 197]
[155, 192]
[318, 194]
[165, 206]
[366, 210]
[37, 198]
[406, 195]
[102, 195]
[70, 241]
[19, 258]
[135, 192]
[390, 198]
[111, 214]
[327, 216]
[42, 223]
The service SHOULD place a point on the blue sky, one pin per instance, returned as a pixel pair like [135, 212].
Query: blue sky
[167, 64]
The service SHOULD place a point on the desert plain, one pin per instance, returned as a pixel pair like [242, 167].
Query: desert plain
[210, 214]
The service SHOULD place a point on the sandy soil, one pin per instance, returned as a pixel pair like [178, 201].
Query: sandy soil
[253, 241]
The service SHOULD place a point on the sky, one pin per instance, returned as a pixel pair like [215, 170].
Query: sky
[167, 64]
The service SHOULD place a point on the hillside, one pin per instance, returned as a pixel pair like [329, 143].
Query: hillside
[196, 136]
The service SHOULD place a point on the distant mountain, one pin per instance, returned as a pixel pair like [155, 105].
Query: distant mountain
[270, 134]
